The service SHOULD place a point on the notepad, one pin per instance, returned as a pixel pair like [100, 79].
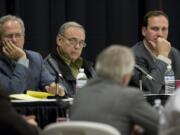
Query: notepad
[31, 95]
[39, 94]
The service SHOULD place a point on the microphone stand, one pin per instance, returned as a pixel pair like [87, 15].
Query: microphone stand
[57, 79]
[58, 76]
[140, 81]
[142, 72]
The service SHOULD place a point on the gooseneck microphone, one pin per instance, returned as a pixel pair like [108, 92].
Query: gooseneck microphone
[59, 77]
[144, 72]
[55, 68]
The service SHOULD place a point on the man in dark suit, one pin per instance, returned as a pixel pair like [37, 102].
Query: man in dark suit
[67, 58]
[21, 69]
[107, 99]
[12, 123]
[155, 53]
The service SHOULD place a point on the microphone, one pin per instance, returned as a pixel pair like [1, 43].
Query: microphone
[144, 72]
[54, 66]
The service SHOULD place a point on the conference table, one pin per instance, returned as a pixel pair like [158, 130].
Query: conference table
[152, 97]
[52, 110]
[46, 111]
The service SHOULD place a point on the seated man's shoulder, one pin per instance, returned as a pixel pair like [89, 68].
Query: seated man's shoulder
[33, 54]
[137, 45]
[30, 52]
[47, 57]
[87, 62]
[133, 89]
[174, 50]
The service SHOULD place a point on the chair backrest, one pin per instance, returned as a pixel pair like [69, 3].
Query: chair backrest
[79, 128]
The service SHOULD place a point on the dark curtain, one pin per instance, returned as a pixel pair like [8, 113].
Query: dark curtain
[106, 21]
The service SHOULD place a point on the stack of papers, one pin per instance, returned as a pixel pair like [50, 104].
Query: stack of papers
[23, 97]
[32, 96]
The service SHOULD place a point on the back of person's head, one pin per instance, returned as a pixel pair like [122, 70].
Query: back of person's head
[7, 18]
[67, 25]
[114, 62]
[153, 13]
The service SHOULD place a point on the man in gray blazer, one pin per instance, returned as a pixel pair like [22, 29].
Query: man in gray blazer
[155, 53]
[21, 69]
[107, 99]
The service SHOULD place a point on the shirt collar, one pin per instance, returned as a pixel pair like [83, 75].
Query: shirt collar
[77, 63]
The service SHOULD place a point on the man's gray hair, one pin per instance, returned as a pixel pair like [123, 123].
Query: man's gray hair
[67, 25]
[7, 18]
[114, 62]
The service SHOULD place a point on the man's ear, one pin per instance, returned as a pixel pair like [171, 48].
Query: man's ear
[125, 80]
[143, 31]
[58, 39]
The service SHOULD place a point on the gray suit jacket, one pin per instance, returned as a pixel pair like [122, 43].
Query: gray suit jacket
[102, 100]
[155, 68]
[16, 78]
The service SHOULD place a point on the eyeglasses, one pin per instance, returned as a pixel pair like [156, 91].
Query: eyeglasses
[75, 41]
